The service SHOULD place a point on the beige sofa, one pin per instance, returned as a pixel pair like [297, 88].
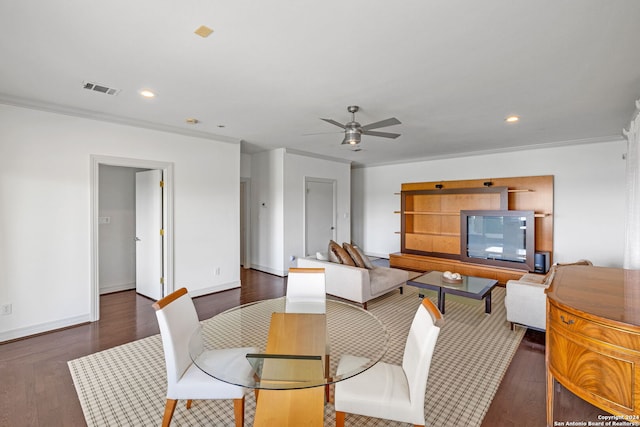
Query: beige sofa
[526, 300]
[355, 283]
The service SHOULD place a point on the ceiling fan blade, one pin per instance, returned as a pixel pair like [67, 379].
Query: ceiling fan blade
[382, 123]
[333, 122]
[322, 133]
[382, 134]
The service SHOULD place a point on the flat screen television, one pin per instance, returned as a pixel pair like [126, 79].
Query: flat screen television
[501, 238]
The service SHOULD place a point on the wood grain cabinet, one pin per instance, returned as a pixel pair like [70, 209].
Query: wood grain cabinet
[430, 220]
[593, 338]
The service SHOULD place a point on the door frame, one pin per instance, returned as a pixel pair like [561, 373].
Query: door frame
[334, 187]
[167, 214]
[246, 219]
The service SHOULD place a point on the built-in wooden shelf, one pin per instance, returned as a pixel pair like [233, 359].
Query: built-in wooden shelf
[430, 212]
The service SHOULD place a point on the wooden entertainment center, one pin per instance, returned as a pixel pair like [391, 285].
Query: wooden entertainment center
[430, 221]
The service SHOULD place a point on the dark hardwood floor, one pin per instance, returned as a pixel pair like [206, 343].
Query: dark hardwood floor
[37, 390]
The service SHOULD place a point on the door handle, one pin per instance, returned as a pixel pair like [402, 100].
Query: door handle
[333, 228]
[137, 239]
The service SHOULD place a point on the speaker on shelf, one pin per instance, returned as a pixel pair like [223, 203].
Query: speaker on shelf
[541, 262]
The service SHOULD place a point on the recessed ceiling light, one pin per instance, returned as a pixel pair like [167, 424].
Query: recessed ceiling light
[512, 119]
[147, 93]
[203, 31]
[192, 121]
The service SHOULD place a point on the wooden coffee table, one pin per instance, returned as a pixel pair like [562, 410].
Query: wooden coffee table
[470, 287]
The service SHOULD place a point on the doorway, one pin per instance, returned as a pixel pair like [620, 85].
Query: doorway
[320, 214]
[166, 208]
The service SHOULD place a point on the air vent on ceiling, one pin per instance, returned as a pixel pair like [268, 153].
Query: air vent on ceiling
[100, 88]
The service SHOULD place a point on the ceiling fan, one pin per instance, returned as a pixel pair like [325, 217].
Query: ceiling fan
[353, 131]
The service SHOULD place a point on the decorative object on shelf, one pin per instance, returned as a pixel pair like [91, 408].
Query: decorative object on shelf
[439, 186]
[450, 277]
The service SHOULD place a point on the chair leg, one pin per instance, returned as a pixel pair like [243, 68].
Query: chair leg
[401, 290]
[169, 407]
[364, 305]
[339, 419]
[327, 389]
[189, 402]
[512, 328]
[238, 411]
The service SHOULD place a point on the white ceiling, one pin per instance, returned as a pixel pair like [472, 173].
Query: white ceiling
[449, 70]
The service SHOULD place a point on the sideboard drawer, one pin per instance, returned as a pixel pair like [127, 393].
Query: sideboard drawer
[608, 334]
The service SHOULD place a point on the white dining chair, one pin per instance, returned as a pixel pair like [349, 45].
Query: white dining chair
[178, 323]
[387, 391]
[306, 291]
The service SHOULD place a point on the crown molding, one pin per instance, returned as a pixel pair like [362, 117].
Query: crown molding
[95, 115]
[541, 146]
[316, 156]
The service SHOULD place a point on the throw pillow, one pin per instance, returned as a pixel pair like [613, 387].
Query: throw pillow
[365, 259]
[333, 257]
[342, 255]
[355, 256]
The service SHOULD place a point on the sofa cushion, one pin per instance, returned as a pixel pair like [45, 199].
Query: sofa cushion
[381, 279]
[355, 256]
[341, 254]
[322, 256]
[331, 252]
[365, 259]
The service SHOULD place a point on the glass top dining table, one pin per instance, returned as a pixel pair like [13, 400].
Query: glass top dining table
[349, 330]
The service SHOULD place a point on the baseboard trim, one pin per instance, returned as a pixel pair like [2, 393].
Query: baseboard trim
[269, 270]
[117, 288]
[213, 289]
[378, 254]
[43, 327]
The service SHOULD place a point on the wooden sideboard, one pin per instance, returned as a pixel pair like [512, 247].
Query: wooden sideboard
[593, 338]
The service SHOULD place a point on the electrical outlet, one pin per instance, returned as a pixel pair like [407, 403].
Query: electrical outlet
[5, 309]
[217, 271]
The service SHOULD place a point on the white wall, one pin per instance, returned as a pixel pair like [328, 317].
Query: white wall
[589, 199]
[267, 204]
[245, 165]
[45, 224]
[297, 168]
[277, 189]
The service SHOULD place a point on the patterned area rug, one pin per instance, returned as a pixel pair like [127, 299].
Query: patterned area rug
[126, 385]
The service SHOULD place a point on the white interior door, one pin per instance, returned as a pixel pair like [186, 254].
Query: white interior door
[320, 213]
[149, 267]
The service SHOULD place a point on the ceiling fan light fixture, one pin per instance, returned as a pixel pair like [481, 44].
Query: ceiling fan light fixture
[352, 137]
